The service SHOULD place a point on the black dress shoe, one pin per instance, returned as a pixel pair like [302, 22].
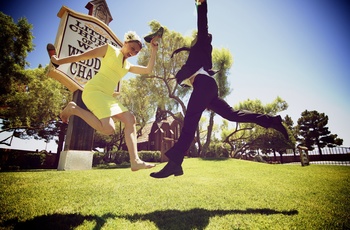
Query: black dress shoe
[277, 125]
[171, 168]
[159, 33]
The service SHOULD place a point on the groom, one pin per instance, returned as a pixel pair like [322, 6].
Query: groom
[197, 73]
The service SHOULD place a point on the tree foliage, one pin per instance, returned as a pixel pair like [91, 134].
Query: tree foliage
[222, 61]
[33, 106]
[108, 142]
[15, 43]
[313, 130]
[139, 99]
[30, 101]
[246, 137]
[167, 94]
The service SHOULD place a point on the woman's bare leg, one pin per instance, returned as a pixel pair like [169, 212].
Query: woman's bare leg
[131, 141]
[105, 125]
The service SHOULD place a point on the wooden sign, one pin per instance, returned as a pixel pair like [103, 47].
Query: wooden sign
[78, 33]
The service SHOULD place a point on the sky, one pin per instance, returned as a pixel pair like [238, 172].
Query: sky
[298, 50]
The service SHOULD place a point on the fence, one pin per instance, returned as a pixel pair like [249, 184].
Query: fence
[336, 155]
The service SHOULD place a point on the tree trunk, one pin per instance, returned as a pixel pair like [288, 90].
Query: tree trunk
[281, 157]
[198, 140]
[209, 132]
[61, 135]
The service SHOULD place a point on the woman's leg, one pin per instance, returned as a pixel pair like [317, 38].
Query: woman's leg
[105, 126]
[131, 141]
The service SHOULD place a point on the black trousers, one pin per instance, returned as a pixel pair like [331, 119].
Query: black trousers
[205, 92]
[205, 96]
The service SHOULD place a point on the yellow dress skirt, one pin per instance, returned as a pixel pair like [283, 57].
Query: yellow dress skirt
[98, 92]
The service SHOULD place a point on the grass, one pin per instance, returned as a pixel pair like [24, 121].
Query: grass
[212, 194]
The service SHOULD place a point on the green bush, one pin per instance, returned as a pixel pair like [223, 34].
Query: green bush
[33, 160]
[27, 160]
[121, 157]
[98, 158]
[216, 150]
[150, 156]
[259, 158]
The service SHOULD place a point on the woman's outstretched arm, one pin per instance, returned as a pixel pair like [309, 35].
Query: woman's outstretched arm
[149, 68]
[93, 53]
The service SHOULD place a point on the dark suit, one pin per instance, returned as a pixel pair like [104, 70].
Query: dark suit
[200, 52]
[205, 92]
[205, 96]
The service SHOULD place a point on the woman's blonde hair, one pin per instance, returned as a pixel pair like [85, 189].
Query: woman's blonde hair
[131, 36]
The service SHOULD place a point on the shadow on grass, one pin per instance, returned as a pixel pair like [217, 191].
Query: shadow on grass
[197, 218]
[112, 166]
[58, 221]
[164, 220]
[215, 158]
[27, 170]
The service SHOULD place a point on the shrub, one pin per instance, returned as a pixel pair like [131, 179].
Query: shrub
[216, 150]
[33, 160]
[150, 156]
[259, 158]
[121, 156]
[27, 160]
[98, 158]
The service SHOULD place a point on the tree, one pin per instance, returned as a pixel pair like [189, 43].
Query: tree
[247, 137]
[164, 92]
[237, 138]
[167, 94]
[33, 106]
[312, 127]
[15, 43]
[162, 83]
[293, 131]
[290, 124]
[272, 141]
[30, 101]
[108, 142]
[222, 61]
[139, 99]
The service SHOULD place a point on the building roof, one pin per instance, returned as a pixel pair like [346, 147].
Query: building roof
[148, 127]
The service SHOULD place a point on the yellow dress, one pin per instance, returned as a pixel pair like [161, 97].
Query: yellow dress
[98, 92]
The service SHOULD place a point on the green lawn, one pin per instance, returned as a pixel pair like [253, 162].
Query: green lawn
[212, 194]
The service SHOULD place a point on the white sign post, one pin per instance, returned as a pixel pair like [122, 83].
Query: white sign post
[78, 33]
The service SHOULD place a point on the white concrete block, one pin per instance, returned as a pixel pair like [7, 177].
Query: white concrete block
[75, 160]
